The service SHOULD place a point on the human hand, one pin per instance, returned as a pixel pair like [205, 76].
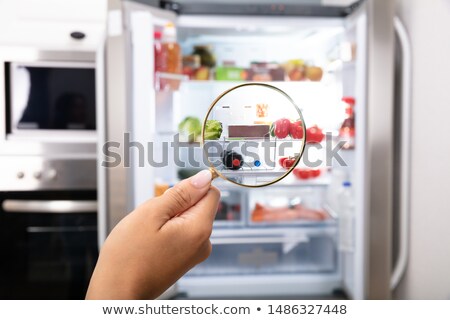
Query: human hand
[157, 243]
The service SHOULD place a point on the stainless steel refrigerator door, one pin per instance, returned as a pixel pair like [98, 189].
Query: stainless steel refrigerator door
[367, 268]
[379, 147]
[128, 100]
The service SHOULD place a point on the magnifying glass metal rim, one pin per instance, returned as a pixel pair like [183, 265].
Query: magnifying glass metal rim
[215, 173]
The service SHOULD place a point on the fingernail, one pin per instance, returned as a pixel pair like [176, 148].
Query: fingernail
[201, 179]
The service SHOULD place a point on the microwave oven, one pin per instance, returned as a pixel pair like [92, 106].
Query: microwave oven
[49, 99]
[48, 119]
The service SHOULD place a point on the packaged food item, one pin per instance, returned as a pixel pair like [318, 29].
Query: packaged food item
[160, 188]
[248, 131]
[347, 130]
[263, 71]
[262, 110]
[232, 160]
[230, 73]
[262, 114]
[263, 213]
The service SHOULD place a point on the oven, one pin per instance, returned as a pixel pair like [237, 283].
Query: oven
[48, 173]
[48, 244]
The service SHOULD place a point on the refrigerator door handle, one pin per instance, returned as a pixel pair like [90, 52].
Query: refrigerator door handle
[405, 153]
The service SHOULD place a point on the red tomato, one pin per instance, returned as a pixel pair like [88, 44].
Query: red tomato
[315, 173]
[314, 134]
[282, 128]
[296, 130]
[281, 160]
[288, 163]
[301, 173]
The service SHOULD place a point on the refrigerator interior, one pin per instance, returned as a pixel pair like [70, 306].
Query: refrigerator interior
[279, 257]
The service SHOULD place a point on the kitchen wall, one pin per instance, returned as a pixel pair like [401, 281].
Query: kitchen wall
[428, 274]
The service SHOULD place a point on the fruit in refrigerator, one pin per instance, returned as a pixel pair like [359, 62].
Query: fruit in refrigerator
[202, 73]
[281, 160]
[314, 134]
[302, 173]
[297, 74]
[315, 173]
[314, 73]
[288, 162]
[306, 173]
[280, 128]
[296, 129]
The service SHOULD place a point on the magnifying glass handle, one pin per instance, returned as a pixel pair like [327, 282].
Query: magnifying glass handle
[213, 173]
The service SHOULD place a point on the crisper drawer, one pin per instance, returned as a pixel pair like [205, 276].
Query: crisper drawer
[294, 205]
[310, 252]
[230, 209]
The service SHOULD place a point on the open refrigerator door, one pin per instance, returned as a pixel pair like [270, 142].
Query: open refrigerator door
[288, 239]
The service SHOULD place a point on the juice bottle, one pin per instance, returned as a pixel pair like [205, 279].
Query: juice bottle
[347, 130]
[159, 64]
[170, 58]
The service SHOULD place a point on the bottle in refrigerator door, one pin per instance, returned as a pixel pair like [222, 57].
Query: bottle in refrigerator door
[347, 130]
[167, 57]
[159, 65]
[346, 212]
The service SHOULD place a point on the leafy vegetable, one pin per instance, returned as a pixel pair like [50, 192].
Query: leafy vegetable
[191, 127]
[213, 130]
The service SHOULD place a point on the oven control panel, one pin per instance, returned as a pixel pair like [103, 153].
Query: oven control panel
[27, 173]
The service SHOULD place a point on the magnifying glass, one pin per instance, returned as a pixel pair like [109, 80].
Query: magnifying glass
[253, 135]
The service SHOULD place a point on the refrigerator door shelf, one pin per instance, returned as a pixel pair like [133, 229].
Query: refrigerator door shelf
[169, 81]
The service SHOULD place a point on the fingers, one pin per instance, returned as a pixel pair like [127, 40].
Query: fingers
[179, 198]
[195, 224]
[204, 212]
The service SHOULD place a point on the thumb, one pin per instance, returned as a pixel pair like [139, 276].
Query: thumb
[182, 196]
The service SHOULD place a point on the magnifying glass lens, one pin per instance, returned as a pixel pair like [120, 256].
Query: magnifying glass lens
[253, 135]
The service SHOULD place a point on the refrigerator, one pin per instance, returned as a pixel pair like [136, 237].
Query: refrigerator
[363, 52]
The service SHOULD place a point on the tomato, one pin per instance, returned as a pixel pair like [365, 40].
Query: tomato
[281, 128]
[288, 162]
[314, 134]
[302, 173]
[296, 129]
[281, 160]
[315, 173]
